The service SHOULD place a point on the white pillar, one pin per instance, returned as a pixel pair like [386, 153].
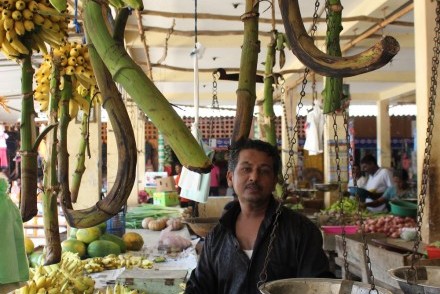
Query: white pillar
[424, 24]
[383, 134]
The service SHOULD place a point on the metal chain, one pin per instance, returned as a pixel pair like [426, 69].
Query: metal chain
[214, 105]
[283, 104]
[290, 163]
[429, 135]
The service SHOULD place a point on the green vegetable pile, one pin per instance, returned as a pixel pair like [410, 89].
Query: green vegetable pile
[134, 216]
[350, 206]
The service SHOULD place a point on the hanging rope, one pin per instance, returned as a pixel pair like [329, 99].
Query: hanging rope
[75, 19]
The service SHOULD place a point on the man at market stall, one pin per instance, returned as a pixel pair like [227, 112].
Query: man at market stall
[234, 252]
[379, 180]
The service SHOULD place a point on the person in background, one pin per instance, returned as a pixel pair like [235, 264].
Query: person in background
[356, 173]
[235, 250]
[379, 180]
[215, 180]
[401, 189]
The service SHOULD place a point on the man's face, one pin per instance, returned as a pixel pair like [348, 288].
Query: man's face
[369, 168]
[253, 179]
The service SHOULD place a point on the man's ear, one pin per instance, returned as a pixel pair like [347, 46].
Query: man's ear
[229, 176]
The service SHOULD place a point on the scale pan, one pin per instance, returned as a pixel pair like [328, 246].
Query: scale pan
[428, 281]
[321, 286]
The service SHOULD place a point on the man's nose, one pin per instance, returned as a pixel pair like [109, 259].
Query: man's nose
[253, 175]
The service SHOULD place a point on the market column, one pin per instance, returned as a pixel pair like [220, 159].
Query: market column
[383, 134]
[91, 181]
[335, 132]
[424, 26]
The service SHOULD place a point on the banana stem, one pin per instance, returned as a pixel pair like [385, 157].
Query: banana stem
[268, 112]
[246, 92]
[146, 95]
[127, 152]
[80, 159]
[333, 85]
[50, 181]
[29, 166]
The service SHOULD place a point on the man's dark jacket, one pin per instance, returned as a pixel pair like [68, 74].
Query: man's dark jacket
[224, 268]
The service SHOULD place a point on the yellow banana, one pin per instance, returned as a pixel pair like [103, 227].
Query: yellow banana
[16, 15]
[40, 43]
[24, 289]
[40, 282]
[27, 14]
[2, 32]
[73, 108]
[19, 28]
[6, 13]
[8, 4]
[55, 18]
[80, 60]
[18, 45]
[20, 5]
[71, 61]
[38, 19]
[29, 25]
[33, 6]
[8, 24]
[41, 291]
[47, 24]
[46, 10]
[74, 52]
[32, 287]
[70, 70]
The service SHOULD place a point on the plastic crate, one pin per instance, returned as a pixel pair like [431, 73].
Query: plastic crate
[170, 198]
[433, 252]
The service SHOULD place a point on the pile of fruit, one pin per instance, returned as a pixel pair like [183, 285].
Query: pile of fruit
[65, 277]
[388, 224]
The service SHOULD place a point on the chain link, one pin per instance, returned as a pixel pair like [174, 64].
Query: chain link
[214, 105]
[290, 162]
[429, 135]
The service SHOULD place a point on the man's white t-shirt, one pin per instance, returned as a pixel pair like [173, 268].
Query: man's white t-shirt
[378, 183]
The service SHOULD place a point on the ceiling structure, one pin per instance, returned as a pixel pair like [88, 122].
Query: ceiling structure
[162, 37]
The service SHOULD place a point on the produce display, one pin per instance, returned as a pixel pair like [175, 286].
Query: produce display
[135, 216]
[389, 225]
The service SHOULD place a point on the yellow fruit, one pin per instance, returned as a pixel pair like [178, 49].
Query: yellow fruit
[28, 245]
[88, 235]
[133, 241]
[75, 246]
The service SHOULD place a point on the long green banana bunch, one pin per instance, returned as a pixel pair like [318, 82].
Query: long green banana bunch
[35, 20]
[65, 277]
[75, 62]
[135, 4]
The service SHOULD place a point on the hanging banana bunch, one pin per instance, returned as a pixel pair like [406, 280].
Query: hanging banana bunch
[75, 64]
[27, 26]
[35, 20]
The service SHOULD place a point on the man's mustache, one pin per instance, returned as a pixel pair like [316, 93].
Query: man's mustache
[253, 186]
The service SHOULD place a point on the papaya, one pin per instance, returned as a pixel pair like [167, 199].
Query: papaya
[115, 239]
[102, 227]
[88, 235]
[72, 232]
[133, 241]
[75, 246]
[36, 258]
[101, 248]
[29, 245]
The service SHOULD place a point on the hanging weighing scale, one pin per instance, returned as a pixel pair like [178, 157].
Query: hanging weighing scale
[317, 285]
[415, 279]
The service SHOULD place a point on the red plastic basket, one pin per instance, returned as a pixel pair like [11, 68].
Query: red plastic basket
[349, 230]
[433, 252]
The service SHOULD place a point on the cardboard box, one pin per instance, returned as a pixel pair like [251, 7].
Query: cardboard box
[165, 184]
[150, 177]
[162, 281]
[167, 198]
[214, 206]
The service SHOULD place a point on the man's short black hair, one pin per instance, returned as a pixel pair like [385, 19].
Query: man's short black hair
[270, 150]
[367, 159]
